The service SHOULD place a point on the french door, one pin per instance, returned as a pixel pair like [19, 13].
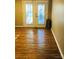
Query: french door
[35, 14]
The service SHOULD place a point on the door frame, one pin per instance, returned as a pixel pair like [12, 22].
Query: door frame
[35, 23]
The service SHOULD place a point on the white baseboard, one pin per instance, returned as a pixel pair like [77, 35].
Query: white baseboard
[20, 26]
[29, 27]
[58, 45]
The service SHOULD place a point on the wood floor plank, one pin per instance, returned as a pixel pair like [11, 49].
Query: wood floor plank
[35, 44]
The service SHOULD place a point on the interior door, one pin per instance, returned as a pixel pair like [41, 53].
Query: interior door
[40, 16]
[35, 14]
[29, 15]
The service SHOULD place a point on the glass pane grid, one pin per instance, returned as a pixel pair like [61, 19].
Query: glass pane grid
[29, 14]
[41, 10]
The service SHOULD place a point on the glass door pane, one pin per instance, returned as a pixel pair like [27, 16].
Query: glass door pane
[29, 14]
[41, 13]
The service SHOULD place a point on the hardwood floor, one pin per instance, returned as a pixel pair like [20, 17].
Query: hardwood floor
[35, 44]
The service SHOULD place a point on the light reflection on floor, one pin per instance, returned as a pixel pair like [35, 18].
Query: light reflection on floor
[35, 44]
[40, 38]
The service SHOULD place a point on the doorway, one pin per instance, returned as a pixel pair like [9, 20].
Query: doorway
[35, 14]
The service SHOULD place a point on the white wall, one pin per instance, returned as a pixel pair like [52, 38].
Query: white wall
[58, 23]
